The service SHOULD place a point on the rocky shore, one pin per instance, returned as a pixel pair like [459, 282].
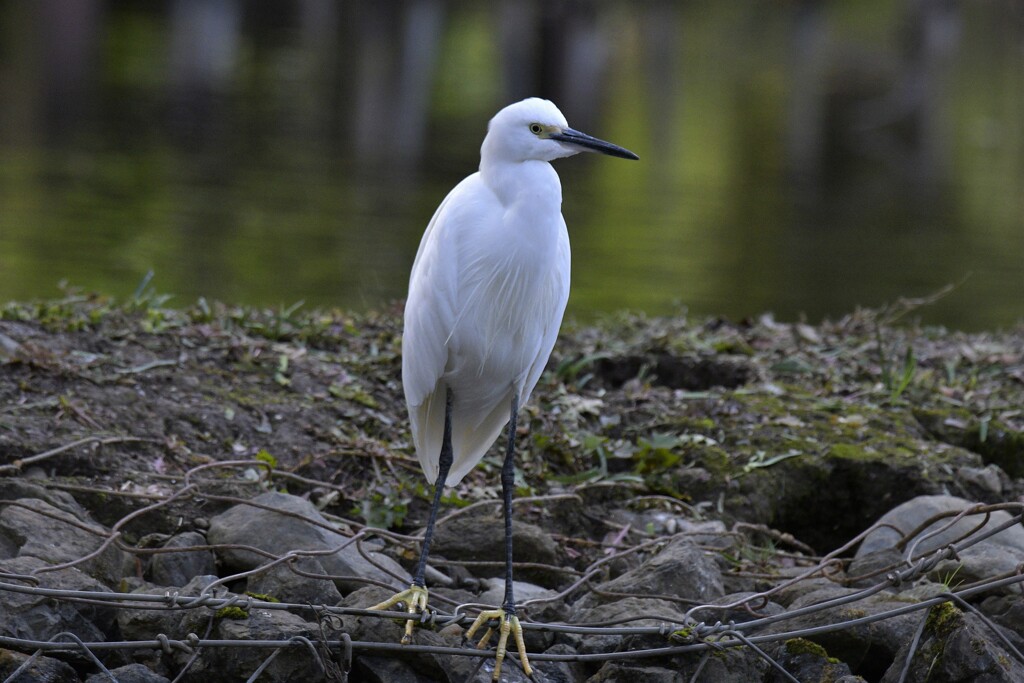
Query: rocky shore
[698, 500]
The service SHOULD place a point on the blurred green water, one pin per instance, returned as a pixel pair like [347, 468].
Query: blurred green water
[794, 160]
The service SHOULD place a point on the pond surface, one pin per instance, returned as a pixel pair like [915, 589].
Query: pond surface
[801, 158]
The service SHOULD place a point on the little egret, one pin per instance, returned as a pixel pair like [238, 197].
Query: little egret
[486, 296]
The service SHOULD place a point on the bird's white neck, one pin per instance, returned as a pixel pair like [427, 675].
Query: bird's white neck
[532, 180]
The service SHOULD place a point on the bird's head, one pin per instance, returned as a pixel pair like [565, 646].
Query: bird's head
[535, 129]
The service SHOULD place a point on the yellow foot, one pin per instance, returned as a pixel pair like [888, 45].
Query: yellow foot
[415, 597]
[509, 623]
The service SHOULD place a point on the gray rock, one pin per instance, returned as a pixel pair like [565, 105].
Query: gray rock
[132, 673]
[988, 480]
[787, 595]
[461, 669]
[236, 663]
[754, 609]
[178, 568]
[680, 569]
[387, 669]
[623, 611]
[38, 529]
[869, 648]
[284, 584]
[989, 557]
[146, 624]
[868, 569]
[278, 533]
[1008, 612]
[956, 647]
[807, 662]
[981, 561]
[481, 538]
[631, 672]
[36, 617]
[909, 515]
[561, 671]
[42, 670]
[734, 665]
[13, 488]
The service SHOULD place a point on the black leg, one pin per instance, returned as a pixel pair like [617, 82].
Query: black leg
[444, 464]
[509, 622]
[508, 482]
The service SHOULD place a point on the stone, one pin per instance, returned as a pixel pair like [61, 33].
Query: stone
[283, 584]
[807, 662]
[680, 569]
[870, 568]
[977, 563]
[41, 670]
[561, 671]
[385, 669]
[481, 538]
[178, 568]
[787, 595]
[989, 557]
[630, 672]
[867, 648]
[988, 480]
[147, 624]
[37, 617]
[302, 527]
[625, 611]
[732, 665]
[38, 529]
[131, 673]
[236, 663]
[756, 608]
[1008, 612]
[956, 647]
[13, 488]
[907, 516]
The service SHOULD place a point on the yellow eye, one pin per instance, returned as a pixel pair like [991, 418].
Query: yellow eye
[536, 128]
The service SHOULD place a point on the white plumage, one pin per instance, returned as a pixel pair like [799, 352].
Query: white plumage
[487, 291]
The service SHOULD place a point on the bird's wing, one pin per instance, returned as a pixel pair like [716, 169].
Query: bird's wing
[430, 318]
[558, 298]
[430, 307]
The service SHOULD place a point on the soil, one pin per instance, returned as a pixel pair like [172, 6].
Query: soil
[703, 412]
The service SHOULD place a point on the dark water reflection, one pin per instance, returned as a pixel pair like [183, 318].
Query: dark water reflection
[803, 158]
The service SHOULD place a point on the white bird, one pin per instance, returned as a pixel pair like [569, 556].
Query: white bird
[486, 297]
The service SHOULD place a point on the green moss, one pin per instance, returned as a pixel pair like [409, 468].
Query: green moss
[943, 619]
[802, 646]
[231, 613]
[715, 460]
[262, 596]
[265, 456]
[684, 634]
[849, 451]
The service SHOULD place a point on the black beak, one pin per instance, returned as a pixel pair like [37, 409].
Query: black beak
[592, 144]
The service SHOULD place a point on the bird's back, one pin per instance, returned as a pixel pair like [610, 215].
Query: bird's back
[486, 298]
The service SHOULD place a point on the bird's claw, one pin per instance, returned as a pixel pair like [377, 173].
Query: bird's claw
[415, 597]
[508, 624]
